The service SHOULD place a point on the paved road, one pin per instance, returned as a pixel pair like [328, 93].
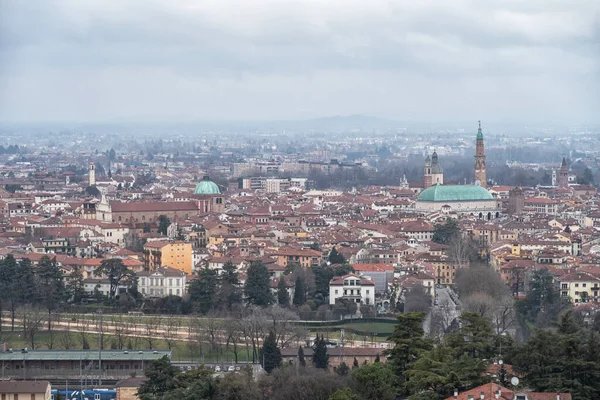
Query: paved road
[445, 310]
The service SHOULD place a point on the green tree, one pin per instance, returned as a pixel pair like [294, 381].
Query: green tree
[117, 274]
[320, 356]
[204, 289]
[439, 371]
[335, 257]
[8, 285]
[375, 381]
[51, 288]
[446, 232]
[161, 380]
[409, 342]
[197, 384]
[343, 369]
[299, 292]
[163, 224]
[270, 354]
[343, 394]
[258, 285]
[283, 298]
[75, 286]
[355, 363]
[315, 246]
[230, 292]
[301, 359]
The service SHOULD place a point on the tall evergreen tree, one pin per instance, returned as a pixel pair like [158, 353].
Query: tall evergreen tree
[229, 293]
[75, 286]
[117, 274]
[162, 378]
[258, 285]
[409, 342]
[320, 356]
[335, 257]
[163, 224]
[299, 292]
[270, 354]
[283, 298]
[51, 286]
[301, 359]
[203, 290]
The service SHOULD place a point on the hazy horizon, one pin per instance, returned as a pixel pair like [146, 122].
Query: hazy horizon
[189, 61]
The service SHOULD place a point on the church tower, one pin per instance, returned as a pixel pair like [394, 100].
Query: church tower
[92, 174]
[480, 174]
[437, 174]
[563, 175]
[427, 178]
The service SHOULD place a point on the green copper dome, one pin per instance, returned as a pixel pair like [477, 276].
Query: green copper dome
[206, 186]
[441, 193]
[479, 132]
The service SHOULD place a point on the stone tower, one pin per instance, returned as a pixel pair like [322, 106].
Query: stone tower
[437, 174]
[480, 174]
[92, 174]
[516, 200]
[563, 175]
[427, 179]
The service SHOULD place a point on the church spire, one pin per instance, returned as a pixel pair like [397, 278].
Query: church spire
[479, 132]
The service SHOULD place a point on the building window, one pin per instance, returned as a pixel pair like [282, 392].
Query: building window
[336, 291]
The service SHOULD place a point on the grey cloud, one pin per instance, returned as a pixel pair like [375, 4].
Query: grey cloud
[258, 47]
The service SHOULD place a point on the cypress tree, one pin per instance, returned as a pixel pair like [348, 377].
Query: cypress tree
[283, 298]
[271, 356]
[299, 292]
[258, 285]
[335, 257]
[301, 359]
[320, 357]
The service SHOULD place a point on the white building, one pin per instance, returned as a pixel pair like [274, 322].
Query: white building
[164, 281]
[352, 287]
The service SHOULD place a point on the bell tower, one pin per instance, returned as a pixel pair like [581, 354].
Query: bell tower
[427, 177]
[92, 174]
[480, 173]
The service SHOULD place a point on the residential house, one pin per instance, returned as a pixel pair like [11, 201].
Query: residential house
[163, 281]
[352, 287]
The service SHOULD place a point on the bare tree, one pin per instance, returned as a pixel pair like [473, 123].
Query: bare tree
[33, 320]
[461, 251]
[211, 324]
[234, 333]
[282, 323]
[255, 325]
[504, 315]
[479, 303]
[122, 329]
[83, 329]
[170, 330]
[417, 300]
[151, 334]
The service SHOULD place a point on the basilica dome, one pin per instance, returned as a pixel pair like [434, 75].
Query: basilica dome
[441, 193]
[206, 186]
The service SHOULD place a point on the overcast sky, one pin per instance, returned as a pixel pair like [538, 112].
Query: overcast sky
[416, 60]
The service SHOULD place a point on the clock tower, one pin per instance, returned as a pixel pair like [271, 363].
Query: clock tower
[480, 174]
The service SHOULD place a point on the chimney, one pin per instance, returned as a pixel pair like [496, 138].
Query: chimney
[470, 397]
[482, 395]
[557, 396]
[455, 394]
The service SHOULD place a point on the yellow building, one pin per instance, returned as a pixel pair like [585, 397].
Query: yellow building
[579, 287]
[304, 257]
[175, 254]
